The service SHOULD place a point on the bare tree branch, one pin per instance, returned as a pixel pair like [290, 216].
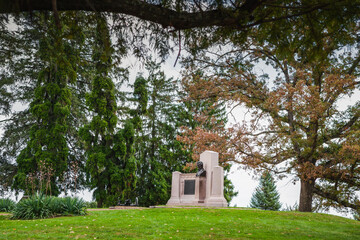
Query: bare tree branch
[354, 65]
[335, 198]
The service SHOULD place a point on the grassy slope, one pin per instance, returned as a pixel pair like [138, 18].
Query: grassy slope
[184, 224]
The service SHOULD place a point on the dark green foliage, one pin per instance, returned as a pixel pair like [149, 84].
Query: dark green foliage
[72, 205]
[41, 206]
[356, 215]
[92, 204]
[158, 151]
[124, 178]
[266, 196]
[6, 205]
[56, 205]
[141, 95]
[7, 173]
[67, 206]
[110, 162]
[37, 206]
[46, 154]
[229, 188]
[36, 49]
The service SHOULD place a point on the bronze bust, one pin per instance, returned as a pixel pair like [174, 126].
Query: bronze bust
[201, 171]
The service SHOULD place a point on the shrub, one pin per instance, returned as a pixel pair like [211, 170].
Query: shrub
[37, 206]
[356, 215]
[75, 206]
[6, 205]
[92, 204]
[40, 206]
[56, 206]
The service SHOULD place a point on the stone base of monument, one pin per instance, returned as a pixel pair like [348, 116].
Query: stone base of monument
[189, 190]
[124, 207]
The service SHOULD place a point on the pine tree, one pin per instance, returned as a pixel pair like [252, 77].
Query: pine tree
[266, 196]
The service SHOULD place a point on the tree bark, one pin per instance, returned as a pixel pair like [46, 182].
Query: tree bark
[306, 195]
[151, 12]
[100, 203]
[240, 17]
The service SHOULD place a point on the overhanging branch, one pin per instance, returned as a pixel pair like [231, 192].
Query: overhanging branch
[223, 16]
[151, 12]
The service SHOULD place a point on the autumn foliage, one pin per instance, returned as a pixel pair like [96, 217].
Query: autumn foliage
[293, 128]
[294, 123]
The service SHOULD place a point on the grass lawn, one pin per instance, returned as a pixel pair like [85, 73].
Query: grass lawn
[194, 223]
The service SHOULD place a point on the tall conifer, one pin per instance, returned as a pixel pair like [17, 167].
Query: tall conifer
[46, 152]
[110, 155]
[157, 149]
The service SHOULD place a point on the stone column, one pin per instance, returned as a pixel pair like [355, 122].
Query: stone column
[197, 190]
[200, 190]
[210, 159]
[175, 189]
[215, 180]
[217, 189]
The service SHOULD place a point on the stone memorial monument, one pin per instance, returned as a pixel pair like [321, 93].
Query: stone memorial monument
[204, 188]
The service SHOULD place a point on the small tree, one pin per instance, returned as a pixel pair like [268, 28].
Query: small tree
[266, 196]
[356, 215]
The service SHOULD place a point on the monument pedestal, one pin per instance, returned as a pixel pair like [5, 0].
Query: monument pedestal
[175, 189]
[200, 190]
[187, 189]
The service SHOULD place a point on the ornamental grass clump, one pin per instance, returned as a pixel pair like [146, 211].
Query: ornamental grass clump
[37, 206]
[73, 206]
[6, 205]
[56, 206]
[41, 206]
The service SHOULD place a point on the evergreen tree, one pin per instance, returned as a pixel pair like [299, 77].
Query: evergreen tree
[153, 136]
[28, 52]
[46, 152]
[266, 196]
[157, 149]
[110, 154]
[18, 73]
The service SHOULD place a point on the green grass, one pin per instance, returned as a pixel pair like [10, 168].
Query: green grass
[194, 223]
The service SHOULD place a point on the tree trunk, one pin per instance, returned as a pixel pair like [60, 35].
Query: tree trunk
[306, 195]
[100, 203]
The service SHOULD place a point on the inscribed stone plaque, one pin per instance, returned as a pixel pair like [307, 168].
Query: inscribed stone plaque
[189, 188]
